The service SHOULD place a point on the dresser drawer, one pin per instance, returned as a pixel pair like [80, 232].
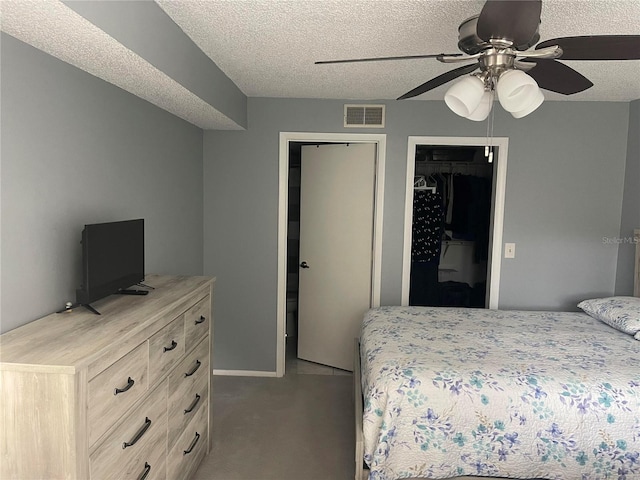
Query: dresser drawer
[117, 388]
[191, 447]
[196, 322]
[154, 468]
[137, 444]
[190, 370]
[183, 389]
[185, 404]
[166, 348]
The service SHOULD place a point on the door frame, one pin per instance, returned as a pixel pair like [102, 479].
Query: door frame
[497, 208]
[283, 202]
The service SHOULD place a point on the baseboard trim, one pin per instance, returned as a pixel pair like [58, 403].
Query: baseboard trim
[244, 373]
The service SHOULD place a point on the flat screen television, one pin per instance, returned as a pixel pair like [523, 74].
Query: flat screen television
[112, 259]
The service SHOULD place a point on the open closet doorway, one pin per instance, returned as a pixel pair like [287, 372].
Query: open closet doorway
[289, 228]
[453, 222]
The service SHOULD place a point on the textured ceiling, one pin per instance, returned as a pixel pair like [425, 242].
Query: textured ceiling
[268, 47]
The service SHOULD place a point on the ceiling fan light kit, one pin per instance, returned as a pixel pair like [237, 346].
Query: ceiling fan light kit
[532, 105]
[516, 90]
[472, 97]
[498, 41]
[465, 95]
[483, 109]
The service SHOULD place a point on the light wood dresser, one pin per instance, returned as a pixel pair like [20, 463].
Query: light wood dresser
[121, 395]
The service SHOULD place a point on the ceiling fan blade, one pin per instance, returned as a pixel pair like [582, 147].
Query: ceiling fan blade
[378, 59]
[597, 47]
[558, 77]
[439, 80]
[515, 20]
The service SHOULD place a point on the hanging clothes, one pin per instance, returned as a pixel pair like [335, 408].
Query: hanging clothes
[449, 198]
[471, 212]
[465, 191]
[428, 226]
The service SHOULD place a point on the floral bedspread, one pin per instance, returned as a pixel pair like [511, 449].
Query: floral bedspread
[452, 392]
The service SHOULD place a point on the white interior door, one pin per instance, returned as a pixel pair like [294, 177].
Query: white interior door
[336, 239]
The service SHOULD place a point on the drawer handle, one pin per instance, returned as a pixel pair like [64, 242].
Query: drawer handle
[201, 319]
[174, 344]
[147, 469]
[193, 444]
[198, 363]
[193, 405]
[130, 382]
[141, 432]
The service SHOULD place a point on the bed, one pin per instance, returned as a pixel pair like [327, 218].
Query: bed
[455, 392]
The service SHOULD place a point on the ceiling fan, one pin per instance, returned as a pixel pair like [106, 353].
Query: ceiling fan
[498, 41]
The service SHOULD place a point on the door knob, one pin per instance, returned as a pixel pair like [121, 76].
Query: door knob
[304, 265]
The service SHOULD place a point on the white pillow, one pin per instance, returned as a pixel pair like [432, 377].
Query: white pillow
[622, 313]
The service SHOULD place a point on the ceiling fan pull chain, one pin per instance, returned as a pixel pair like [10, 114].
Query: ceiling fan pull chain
[488, 149]
[490, 159]
[487, 143]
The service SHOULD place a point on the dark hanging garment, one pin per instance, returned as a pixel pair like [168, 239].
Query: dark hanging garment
[462, 207]
[428, 225]
[424, 289]
[481, 217]
[472, 212]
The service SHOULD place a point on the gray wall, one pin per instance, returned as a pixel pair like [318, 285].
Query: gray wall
[630, 206]
[78, 150]
[564, 194]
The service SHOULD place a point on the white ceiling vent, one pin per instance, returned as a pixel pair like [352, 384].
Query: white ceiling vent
[364, 116]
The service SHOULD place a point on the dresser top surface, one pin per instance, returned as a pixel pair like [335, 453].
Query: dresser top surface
[69, 340]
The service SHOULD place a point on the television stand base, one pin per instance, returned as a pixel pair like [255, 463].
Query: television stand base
[69, 307]
[127, 291]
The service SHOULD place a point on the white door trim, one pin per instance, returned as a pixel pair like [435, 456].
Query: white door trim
[283, 202]
[497, 208]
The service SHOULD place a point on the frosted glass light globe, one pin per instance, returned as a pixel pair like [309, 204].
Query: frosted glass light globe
[464, 96]
[516, 90]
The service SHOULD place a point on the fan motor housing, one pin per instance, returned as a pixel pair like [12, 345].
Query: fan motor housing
[470, 43]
